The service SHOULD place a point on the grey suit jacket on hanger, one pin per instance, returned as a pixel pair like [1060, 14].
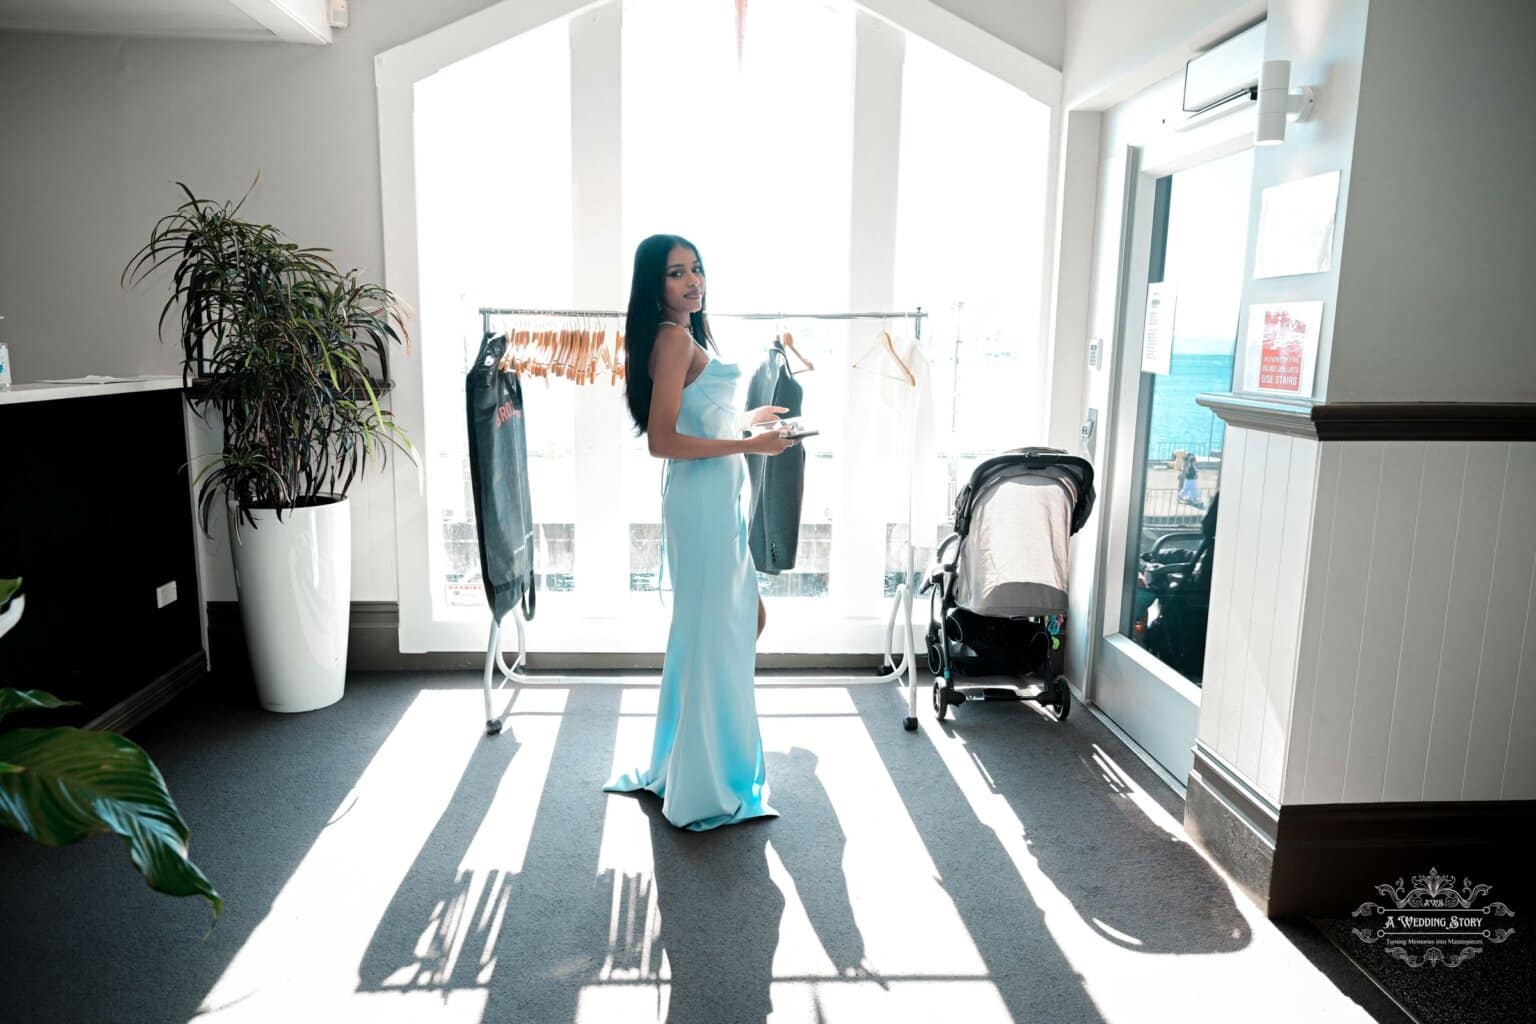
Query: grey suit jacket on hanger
[778, 481]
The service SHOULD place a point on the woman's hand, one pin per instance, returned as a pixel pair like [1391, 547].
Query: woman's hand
[770, 442]
[764, 414]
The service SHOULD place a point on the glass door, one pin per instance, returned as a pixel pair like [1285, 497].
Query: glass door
[1157, 578]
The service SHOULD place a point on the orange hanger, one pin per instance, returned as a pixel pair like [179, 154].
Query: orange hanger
[890, 347]
[789, 343]
[884, 342]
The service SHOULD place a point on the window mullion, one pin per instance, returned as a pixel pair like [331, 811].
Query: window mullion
[598, 282]
[858, 532]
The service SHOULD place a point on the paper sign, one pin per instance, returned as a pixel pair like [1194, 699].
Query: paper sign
[1296, 227]
[464, 595]
[1157, 336]
[1281, 353]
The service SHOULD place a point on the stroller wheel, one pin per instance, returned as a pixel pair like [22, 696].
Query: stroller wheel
[940, 705]
[935, 656]
[1061, 698]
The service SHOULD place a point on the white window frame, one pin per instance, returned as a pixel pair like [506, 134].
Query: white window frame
[597, 249]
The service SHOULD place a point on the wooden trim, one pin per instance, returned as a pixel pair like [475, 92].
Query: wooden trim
[1324, 860]
[1425, 421]
[1233, 823]
[1262, 815]
[1376, 421]
[1329, 858]
[1263, 412]
[155, 695]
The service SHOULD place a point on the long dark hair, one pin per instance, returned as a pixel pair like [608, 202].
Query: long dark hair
[640, 321]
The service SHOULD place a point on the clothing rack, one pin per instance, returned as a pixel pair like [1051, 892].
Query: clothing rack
[916, 316]
[890, 669]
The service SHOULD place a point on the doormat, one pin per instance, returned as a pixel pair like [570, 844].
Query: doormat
[1491, 986]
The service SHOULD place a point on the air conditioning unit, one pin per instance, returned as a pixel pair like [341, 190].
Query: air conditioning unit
[1222, 79]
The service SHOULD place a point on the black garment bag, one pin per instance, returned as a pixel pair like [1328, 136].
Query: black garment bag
[498, 469]
[777, 482]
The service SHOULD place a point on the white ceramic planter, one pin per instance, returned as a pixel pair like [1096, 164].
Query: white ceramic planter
[294, 576]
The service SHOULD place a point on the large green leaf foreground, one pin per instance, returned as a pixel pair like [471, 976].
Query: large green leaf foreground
[62, 785]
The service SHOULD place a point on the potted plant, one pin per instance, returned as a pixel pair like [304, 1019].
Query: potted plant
[61, 785]
[289, 354]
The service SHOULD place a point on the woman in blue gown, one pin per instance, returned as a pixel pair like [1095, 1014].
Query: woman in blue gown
[707, 755]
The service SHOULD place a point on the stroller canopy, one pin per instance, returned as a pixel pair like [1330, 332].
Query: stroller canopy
[1014, 519]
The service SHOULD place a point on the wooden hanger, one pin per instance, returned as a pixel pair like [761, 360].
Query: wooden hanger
[884, 342]
[789, 343]
[577, 348]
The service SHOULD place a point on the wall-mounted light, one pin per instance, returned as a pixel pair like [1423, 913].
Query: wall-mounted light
[1277, 103]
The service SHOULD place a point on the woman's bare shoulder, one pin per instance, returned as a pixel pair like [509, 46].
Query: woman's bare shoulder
[672, 336]
[673, 342]
[674, 346]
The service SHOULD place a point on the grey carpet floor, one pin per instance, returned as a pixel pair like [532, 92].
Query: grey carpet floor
[1494, 987]
[383, 860]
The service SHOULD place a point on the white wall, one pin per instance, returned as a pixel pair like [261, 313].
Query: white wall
[1325, 43]
[1417, 671]
[1263, 549]
[1115, 48]
[1372, 605]
[1418, 575]
[1434, 294]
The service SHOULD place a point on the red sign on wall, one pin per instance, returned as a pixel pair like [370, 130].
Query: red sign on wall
[1281, 354]
[1282, 347]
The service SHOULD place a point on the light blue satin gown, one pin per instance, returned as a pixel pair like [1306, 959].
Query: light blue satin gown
[707, 756]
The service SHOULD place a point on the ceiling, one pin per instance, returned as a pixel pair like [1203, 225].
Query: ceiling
[253, 20]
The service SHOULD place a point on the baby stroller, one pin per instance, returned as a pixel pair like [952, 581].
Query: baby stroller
[998, 604]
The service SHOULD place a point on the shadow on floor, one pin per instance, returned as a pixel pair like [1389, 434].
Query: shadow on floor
[96, 945]
[1071, 786]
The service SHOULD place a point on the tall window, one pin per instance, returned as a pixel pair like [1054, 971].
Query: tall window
[493, 175]
[969, 232]
[748, 159]
[749, 155]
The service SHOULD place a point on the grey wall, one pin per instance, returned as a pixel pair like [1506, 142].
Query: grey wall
[1435, 283]
[94, 131]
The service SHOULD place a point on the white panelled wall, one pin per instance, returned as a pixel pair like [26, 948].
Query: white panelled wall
[1409, 640]
[1257, 592]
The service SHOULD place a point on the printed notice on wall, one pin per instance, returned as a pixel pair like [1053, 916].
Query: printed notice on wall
[1157, 337]
[1296, 227]
[1281, 353]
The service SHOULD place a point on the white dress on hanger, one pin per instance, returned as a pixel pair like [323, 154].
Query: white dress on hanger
[902, 432]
